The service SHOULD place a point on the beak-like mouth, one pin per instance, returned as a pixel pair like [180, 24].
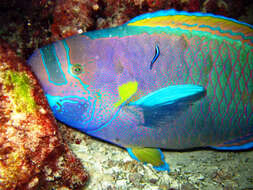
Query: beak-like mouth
[81, 113]
[75, 111]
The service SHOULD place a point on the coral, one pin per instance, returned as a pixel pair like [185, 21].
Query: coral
[216, 7]
[72, 17]
[29, 137]
[25, 24]
[194, 6]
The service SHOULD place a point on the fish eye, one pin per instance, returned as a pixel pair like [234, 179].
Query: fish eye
[76, 69]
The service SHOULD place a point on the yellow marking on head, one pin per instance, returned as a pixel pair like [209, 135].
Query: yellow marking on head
[126, 91]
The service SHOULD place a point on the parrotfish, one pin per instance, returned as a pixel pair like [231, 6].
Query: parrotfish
[164, 80]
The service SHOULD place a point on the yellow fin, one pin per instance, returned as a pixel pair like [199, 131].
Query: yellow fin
[148, 155]
[153, 156]
[126, 91]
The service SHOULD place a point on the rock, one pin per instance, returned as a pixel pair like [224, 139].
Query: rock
[32, 152]
[72, 17]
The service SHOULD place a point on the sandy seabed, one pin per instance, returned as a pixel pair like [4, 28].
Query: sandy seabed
[111, 168]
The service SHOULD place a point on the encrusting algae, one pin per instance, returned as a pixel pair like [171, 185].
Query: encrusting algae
[20, 91]
[32, 152]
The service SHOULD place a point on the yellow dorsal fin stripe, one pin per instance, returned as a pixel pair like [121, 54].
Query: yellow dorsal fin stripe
[178, 20]
[210, 24]
[125, 91]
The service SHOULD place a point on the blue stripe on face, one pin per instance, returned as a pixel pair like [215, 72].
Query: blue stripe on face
[52, 65]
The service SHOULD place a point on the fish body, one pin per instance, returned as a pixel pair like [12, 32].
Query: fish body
[169, 79]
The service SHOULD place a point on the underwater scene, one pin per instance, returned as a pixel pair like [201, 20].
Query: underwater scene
[126, 94]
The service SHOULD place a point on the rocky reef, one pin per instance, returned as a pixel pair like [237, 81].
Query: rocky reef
[32, 152]
[30, 24]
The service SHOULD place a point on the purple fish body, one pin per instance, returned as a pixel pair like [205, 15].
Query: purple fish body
[164, 80]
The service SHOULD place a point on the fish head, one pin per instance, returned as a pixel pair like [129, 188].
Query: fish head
[71, 83]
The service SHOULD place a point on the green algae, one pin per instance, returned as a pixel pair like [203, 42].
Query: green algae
[20, 91]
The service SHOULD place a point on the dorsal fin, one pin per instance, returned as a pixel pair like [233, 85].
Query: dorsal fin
[205, 22]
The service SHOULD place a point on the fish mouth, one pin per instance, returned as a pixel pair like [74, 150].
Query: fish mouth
[80, 113]
[75, 111]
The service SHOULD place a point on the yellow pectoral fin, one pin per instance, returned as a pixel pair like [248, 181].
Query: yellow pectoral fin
[126, 91]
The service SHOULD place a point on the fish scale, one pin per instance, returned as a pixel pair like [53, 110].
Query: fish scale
[169, 79]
